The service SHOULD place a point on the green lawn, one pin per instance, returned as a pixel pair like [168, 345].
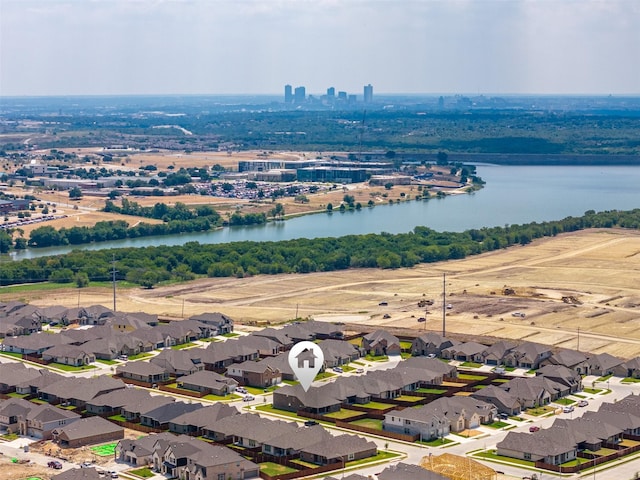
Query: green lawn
[369, 423]
[347, 368]
[604, 378]
[480, 387]
[630, 380]
[274, 469]
[230, 335]
[11, 354]
[260, 391]
[304, 464]
[500, 380]
[118, 417]
[9, 436]
[376, 358]
[343, 414]
[17, 395]
[408, 398]
[291, 382]
[107, 362]
[491, 455]
[435, 391]
[592, 391]
[324, 375]
[69, 368]
[468, 376]
[106, 450]
[471, 364]
[358, 363]
[183, 345]
[140, 355]
[405, 345]
[142, 472]
[269, 409]
[356, 341]
[540, 411]
[381, 456]
[498, 425]
[221, 398]
[565, 401]
[376, 405]
[436, 442]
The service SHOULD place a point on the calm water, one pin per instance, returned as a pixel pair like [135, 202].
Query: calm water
[512, 195]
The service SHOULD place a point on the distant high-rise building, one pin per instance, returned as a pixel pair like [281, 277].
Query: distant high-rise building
[300, 95]
[342, 95]
[368, 93]
[352, 98]
[331, 92]
[288, 94]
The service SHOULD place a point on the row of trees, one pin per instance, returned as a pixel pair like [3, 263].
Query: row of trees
[148, 265]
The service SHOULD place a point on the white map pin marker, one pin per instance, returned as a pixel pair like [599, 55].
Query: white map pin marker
[306, 359]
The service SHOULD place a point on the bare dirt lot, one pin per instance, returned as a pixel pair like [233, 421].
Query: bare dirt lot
[13, 471]
[586, 281]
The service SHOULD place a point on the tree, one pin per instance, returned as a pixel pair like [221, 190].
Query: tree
[75, 193]
[81, 279]
[329, 207]
[277, 212]
[442, 158]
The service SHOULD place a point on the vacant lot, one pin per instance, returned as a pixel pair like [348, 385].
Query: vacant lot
[597, 272]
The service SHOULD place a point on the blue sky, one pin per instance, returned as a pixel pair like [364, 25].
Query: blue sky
[85, 47]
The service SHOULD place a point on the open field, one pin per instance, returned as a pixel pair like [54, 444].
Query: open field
[597, 271]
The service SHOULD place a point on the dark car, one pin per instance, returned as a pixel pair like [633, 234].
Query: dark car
[54, 464]
[534, 428]
[310, 423]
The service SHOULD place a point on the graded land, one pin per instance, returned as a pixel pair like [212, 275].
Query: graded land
[577, 287]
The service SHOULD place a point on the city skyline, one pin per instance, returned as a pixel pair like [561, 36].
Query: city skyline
[157, 47]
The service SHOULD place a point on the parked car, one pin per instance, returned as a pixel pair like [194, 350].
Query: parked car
[568, 409]
[422, 319]
[86, 465]
[360, 370]
[534, 428]
[241, 390]
[310, 423]
[503, 416]
[337, 370]
[248, 398]
[583, 403]
[54, 464]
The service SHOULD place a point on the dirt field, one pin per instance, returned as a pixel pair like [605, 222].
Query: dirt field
[12, 471]
[597, 271]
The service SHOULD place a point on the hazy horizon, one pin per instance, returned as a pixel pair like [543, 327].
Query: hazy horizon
[254, 47]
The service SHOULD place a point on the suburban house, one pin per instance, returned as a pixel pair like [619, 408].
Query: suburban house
[193, 423]
[112, 403]
[503, 400]
[254, 374]
[219, 355]
[10, 410]
[603, 364]
[196, 459]
[630, 368]
[338, 449]
[219, 321]
[33, 344]
[380, 343]
[41, 420]
[495, 354]
[139, 452]
[90, 473]
[572, 359]
[430, 343]
[563, 375]
[338, 352]
[68, 355]
[78, 391]
[206, 382]
[179, 362]
[428, 423]
[142, 372]
[87, 431]
[465, 352]
[134, 409]
[528, 355]
[12, 374]
[549, 447]
[161, 416]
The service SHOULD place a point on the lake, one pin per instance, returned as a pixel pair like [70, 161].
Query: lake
[518, 194]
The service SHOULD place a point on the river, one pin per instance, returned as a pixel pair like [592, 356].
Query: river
[512, 194]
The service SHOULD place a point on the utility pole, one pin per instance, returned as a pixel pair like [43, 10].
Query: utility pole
[113, 270]
[444, 304]
[578, 347]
